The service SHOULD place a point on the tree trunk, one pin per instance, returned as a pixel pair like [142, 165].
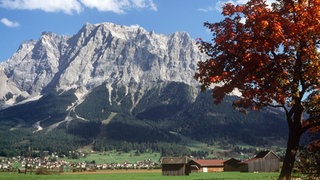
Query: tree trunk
[295, 132]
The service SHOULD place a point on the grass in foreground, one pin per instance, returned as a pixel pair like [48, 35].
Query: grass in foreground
[140, 175]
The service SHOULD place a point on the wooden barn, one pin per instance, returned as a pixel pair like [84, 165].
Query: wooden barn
[232, 165]
[264, 161]
[175, 166]
[206, 165]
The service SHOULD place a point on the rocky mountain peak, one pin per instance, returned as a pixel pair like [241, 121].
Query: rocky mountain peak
[107, 53]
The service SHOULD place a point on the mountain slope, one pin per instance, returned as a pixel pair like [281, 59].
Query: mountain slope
[117, 83]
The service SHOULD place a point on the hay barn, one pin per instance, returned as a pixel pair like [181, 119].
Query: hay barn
[175, 166]
[264, 161]
[231, 165]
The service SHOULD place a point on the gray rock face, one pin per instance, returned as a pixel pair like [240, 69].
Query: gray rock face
[118, 56]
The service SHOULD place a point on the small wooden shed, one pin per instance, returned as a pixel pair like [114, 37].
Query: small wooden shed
[175, 166]
[232, 165]
[264, 161]
[206, 165]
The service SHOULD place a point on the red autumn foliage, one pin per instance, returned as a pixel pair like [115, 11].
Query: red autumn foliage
[271, 55]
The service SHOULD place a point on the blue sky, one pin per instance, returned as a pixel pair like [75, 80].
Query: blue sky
[22, 20]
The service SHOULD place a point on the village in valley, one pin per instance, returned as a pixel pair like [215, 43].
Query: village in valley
[53, 163]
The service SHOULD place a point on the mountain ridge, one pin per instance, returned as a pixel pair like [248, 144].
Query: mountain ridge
[45, 59]
[111, 82]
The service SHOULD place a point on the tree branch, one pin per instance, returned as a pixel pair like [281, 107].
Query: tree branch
[313, 122]
[288, 113]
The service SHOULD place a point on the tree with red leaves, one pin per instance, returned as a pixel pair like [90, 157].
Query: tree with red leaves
[271, 55]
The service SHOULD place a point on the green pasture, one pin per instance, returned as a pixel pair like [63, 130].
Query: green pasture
[116, 157]
[142, 176]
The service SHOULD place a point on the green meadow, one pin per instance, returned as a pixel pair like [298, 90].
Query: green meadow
[130, 175]
[116, 157]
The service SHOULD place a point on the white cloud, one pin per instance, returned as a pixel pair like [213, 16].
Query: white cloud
[207, 9]
[66, 6]
[147, 4]
[106, 5]
[76, 6]
[119, 6]
[144, 4]
[8, 23]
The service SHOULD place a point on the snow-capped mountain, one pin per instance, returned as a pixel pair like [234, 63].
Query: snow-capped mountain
[99, 53]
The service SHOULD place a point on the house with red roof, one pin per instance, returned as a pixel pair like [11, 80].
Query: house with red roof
[206, 165]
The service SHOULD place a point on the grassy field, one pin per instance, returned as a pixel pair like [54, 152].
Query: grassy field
[114, 157]
[140, 175]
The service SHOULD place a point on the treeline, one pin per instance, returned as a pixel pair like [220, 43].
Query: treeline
[164, 148]
[25, 143]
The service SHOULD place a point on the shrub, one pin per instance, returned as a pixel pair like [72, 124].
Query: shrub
[46, 171]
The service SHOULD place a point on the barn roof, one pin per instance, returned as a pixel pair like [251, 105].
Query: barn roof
[174, 160]
[209, 162]
[232, 161]
[263, 154]
[260, 155]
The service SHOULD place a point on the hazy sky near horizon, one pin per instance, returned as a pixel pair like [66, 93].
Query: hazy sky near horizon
[23, 20]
